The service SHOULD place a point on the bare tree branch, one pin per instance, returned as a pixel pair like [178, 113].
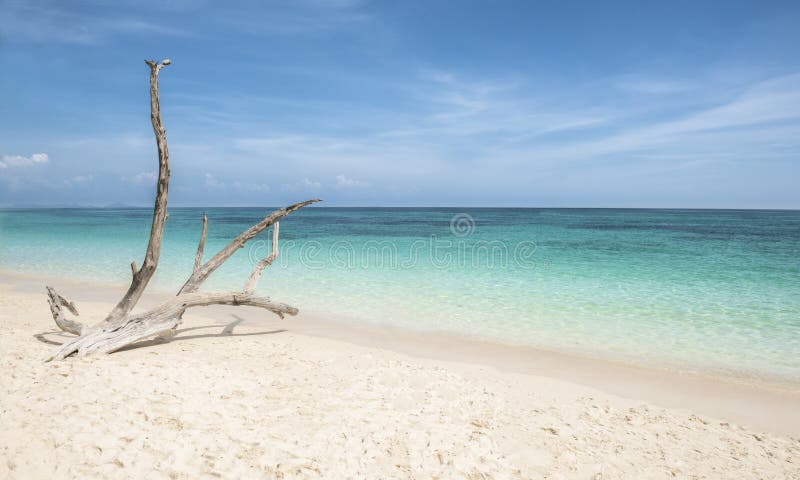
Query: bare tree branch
[199, 276]
[162, 319]
[56, 301]
[121, 327]
[201, 245]
[251, 283]
[142, 276]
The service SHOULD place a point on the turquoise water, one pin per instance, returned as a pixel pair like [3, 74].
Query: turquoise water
[714, 290]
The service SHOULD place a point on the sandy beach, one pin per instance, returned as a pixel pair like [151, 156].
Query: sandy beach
[510, 240]
[240, 395]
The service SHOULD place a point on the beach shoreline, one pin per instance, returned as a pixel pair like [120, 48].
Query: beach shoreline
[240, 394]
[669, 289]
[763, 404]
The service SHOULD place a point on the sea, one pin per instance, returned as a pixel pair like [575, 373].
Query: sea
[700, 290]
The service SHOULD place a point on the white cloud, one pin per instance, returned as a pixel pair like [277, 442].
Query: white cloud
[78, 180]
[773, 100]
[213, 182]
[29, 22]
[765, 103]
[310, 183]
[303, 185]
[144, 178]
[345, 182]
[11, 161]
[251, 187]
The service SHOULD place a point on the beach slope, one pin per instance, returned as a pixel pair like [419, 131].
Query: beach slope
[232, 399]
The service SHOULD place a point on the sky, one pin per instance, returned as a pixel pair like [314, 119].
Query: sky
[430, 103]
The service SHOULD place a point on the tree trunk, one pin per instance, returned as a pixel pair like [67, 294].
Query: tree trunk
[120, 327]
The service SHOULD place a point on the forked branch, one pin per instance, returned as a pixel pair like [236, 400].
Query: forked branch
[121, 327]
[161, 319]
[201, 274]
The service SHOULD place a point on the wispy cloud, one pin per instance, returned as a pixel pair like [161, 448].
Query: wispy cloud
[307, 17]
[251, 187]
[213, 182]
[343, 181]
[510, 107]
[502, 127]
[364, 101]
[13, 161]
[143, 178]
[774, 100]
[40, 22]
[78, 180]
[304, 185]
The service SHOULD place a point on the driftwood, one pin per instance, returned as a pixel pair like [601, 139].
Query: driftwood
[121, 327]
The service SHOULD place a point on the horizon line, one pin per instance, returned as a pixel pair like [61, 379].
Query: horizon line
[472, 207]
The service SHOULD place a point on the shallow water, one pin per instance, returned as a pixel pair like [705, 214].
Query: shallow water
[716, 290]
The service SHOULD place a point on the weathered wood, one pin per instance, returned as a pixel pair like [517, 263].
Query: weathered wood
[251, 283]
[199, 276]
[121, 327]
[142, 276]
[161, 319]
[56, 301]
[198, 259]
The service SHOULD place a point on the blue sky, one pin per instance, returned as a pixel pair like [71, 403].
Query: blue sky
[595, 104]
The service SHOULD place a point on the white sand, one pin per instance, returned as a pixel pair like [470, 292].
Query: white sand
[251, 401]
